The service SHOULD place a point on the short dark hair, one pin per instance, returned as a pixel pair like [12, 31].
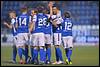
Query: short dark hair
[40, 8]
[56, 7]
[46, 11]
[66, 14]
[12, 11]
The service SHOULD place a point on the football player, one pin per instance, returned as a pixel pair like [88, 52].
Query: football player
[12, 15]
[38, 37]
[56, 21]
[22, 24]
[48, 36]
[33, 16]
[67, 36]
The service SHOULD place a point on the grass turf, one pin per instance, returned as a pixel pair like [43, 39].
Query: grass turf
[81, 56]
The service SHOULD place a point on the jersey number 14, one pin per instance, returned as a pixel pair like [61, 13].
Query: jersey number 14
[22, 21]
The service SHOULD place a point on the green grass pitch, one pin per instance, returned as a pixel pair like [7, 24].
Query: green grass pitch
[81, 56]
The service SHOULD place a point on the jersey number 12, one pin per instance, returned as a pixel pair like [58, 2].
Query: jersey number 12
[68, 26]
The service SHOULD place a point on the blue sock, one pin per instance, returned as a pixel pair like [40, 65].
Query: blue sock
[31, 51]
[14, 52]
[26, 53]
[23, 52]
[20, 52]
[44, 54]
[66, 51]
[48, 51]
[35, 55]
[59, 53]
[57, 57]
[69, 54]
[41, 54]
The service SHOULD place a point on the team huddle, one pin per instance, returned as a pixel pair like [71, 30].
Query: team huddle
[39, 30]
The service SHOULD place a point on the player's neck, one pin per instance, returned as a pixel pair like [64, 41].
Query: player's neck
[24, 13]
[40, 13]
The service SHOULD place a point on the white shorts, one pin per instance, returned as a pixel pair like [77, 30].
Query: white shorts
[67, 41]
[57, 39]
[47, 39]
[15, 40]
[22, 39]
[38, 39]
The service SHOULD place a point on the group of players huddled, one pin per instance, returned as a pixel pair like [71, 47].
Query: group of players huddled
[39, 30]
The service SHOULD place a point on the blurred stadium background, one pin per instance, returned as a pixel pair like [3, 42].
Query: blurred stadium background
[85, 16]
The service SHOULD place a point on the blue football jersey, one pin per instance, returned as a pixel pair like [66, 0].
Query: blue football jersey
[48, 28]
[13, 23]
[67, 27]
[40, 23]
[23, 23]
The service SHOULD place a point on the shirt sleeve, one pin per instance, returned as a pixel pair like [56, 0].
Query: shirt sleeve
[16, 20]
[34, 18]
[48, 15]
[12, 21]
[59, 14]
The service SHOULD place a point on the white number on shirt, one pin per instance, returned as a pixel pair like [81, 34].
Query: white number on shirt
[68, 25]
[22, 21]
[42, 21]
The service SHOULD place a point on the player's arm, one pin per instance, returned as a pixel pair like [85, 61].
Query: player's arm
[50, 6]
[16, 25]
[54, 23]
[32, 23]
[51, 13]
[8, 25]
[31, 27]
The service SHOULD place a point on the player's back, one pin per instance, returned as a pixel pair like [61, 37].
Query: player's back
[40, 23]
[67, 27]
[23, 23]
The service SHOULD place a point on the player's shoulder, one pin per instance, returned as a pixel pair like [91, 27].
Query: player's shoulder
[66, 19]
[34, 17]
[53, 16]
[39, 14]
[45, 15]
[13, 20]
[24, 15]
[48, 15]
